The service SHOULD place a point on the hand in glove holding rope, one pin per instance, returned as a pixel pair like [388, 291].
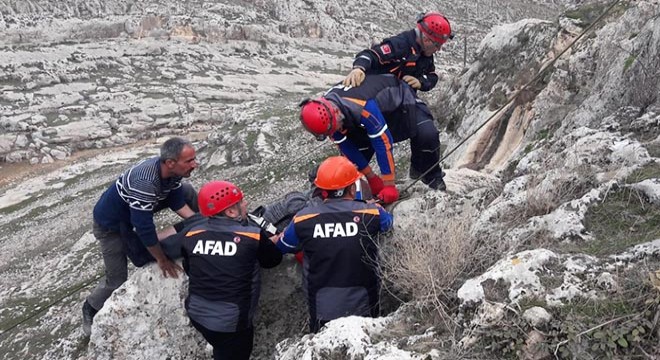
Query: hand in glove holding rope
[389, 194]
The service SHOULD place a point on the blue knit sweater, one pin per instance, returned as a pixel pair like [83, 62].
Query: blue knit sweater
[133, 197]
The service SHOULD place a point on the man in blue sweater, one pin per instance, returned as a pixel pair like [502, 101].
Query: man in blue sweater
[124, 214]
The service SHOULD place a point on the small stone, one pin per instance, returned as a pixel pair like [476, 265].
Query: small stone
[537, 316]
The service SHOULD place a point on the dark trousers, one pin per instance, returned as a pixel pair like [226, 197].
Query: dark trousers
[228, 346]
[424, 141]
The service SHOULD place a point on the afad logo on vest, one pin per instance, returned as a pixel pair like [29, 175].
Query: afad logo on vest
[335, 230]
[212, 247]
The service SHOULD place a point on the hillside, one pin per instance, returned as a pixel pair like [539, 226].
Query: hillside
[548, 200]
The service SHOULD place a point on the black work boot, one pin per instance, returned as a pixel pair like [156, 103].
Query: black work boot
[436, 182]
[88, 317]
[413, 173]
[433, 179]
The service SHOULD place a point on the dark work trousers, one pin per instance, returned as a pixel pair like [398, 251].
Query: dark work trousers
[114, 250]
[425, 146]
[228, 346]
[424, 142]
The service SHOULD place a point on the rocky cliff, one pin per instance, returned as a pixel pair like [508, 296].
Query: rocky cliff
[543, 245]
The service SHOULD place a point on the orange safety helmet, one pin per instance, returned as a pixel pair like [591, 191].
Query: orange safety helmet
[336, 172]
[318, 117]
[216, 196]
[435, 26]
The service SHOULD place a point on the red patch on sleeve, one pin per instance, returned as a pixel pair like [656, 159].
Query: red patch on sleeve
[385, 49]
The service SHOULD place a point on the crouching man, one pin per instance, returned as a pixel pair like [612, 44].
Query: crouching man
[339, 241]
[221, 255]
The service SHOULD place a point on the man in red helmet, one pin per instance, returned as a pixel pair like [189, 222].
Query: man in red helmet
[338, 238]
[220, 254]
[408, 55]
[368, 119]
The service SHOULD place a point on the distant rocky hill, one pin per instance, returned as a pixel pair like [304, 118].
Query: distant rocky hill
[555, 201]
[78, 75]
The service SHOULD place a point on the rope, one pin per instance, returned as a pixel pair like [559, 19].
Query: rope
[50, 305]
[515, 96]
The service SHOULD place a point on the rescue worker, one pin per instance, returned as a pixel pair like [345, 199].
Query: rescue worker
[221, 255]
[369, 119]
[123, 218]
[339, 241]
[409, 55]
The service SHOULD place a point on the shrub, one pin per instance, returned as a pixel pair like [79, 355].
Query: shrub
[428, 259]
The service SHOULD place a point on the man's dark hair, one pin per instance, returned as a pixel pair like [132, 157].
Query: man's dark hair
[172, 148]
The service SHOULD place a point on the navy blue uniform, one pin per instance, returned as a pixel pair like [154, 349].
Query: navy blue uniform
[381, 111]
[339, 241]
[222, 258]
[399, 55]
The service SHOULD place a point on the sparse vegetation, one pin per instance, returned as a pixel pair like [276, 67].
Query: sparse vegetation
[586, 14]
[649, 171]
[428, 260]
[544, 197]
[623, 219]
[620, 325]
[629, 61]
[497, 99]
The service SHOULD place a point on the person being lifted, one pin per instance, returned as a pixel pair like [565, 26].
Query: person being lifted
[408, 55]
[338, 238]
[369, 119]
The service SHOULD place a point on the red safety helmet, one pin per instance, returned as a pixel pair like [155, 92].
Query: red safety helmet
[336, 172]
[435, 26]
[318, 117]
[216, 196]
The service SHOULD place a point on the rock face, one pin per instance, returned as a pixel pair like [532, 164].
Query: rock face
[527, 184]
[141, 320]
[91, 75]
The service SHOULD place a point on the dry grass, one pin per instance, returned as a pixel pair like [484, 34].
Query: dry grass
[542, 198]
[429, 259]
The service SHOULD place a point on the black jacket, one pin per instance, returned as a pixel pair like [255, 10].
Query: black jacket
[222, 258]
[399, 55]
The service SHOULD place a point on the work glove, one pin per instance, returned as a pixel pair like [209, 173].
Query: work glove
[412, 81]
[376, 184]
[265, 225]
[389, 194]
[299, 257]
[354, 78]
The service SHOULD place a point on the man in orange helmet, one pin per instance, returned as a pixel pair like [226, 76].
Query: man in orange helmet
[339, 242]
[220, 254]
